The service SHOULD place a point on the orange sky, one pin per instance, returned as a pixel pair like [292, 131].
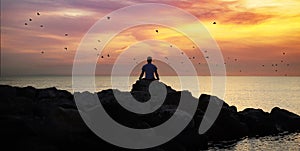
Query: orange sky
[254, 32]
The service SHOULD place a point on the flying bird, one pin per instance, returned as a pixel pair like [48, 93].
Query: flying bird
[107, 55]
[41, 26]
[30, 19]
[214, 22]
[66, 34]
[26, 24]
[108, 17]
[156, 31]
[38, 13]
[42, 52]
[66, 48]
[99, 40]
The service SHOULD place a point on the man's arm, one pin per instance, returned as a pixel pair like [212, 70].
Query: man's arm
[156, 74]
[141, 75]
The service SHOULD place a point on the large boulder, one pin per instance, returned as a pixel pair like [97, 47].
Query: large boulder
[285, 120]
[143, 85]
[258, 122]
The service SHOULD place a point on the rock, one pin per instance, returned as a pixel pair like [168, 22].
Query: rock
[143, 85]
[28, 92]
[228, 126]
[258, 122]
[285, 120]
[7, 91]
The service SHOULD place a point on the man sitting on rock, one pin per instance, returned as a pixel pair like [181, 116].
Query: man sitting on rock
[150, 69]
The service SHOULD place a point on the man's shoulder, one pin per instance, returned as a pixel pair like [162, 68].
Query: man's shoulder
[154, 66]
[149, 65]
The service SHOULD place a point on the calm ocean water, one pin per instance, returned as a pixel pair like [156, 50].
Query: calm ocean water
[241, 91]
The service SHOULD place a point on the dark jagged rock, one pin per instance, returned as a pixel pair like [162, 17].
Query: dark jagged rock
[48, 119]
[143, 85]
[285, 120]
[259, 122]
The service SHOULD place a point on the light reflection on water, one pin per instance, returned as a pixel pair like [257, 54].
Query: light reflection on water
[284, 142]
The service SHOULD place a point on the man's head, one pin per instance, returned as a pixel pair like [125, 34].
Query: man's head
[149, 59]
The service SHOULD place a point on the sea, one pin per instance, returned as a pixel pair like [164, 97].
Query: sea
[264, 92]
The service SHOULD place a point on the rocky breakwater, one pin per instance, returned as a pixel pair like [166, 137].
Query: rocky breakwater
[48, 119]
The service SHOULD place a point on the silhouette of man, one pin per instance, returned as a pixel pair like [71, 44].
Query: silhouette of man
[150, 69]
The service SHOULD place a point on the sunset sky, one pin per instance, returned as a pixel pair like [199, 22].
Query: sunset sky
[256, 37]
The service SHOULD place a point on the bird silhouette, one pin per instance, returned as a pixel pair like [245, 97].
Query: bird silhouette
[66, 48]
[102, 57]
[107, 55]
[66, 34]
[156, 31]
[41, 26]
[99, 40]
[108, 17]
[38, 13]
[26, 24]
[30, 19]
[214, 22]
[95, 48]
[42, 52]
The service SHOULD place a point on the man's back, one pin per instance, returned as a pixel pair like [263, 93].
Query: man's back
[149, 69]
